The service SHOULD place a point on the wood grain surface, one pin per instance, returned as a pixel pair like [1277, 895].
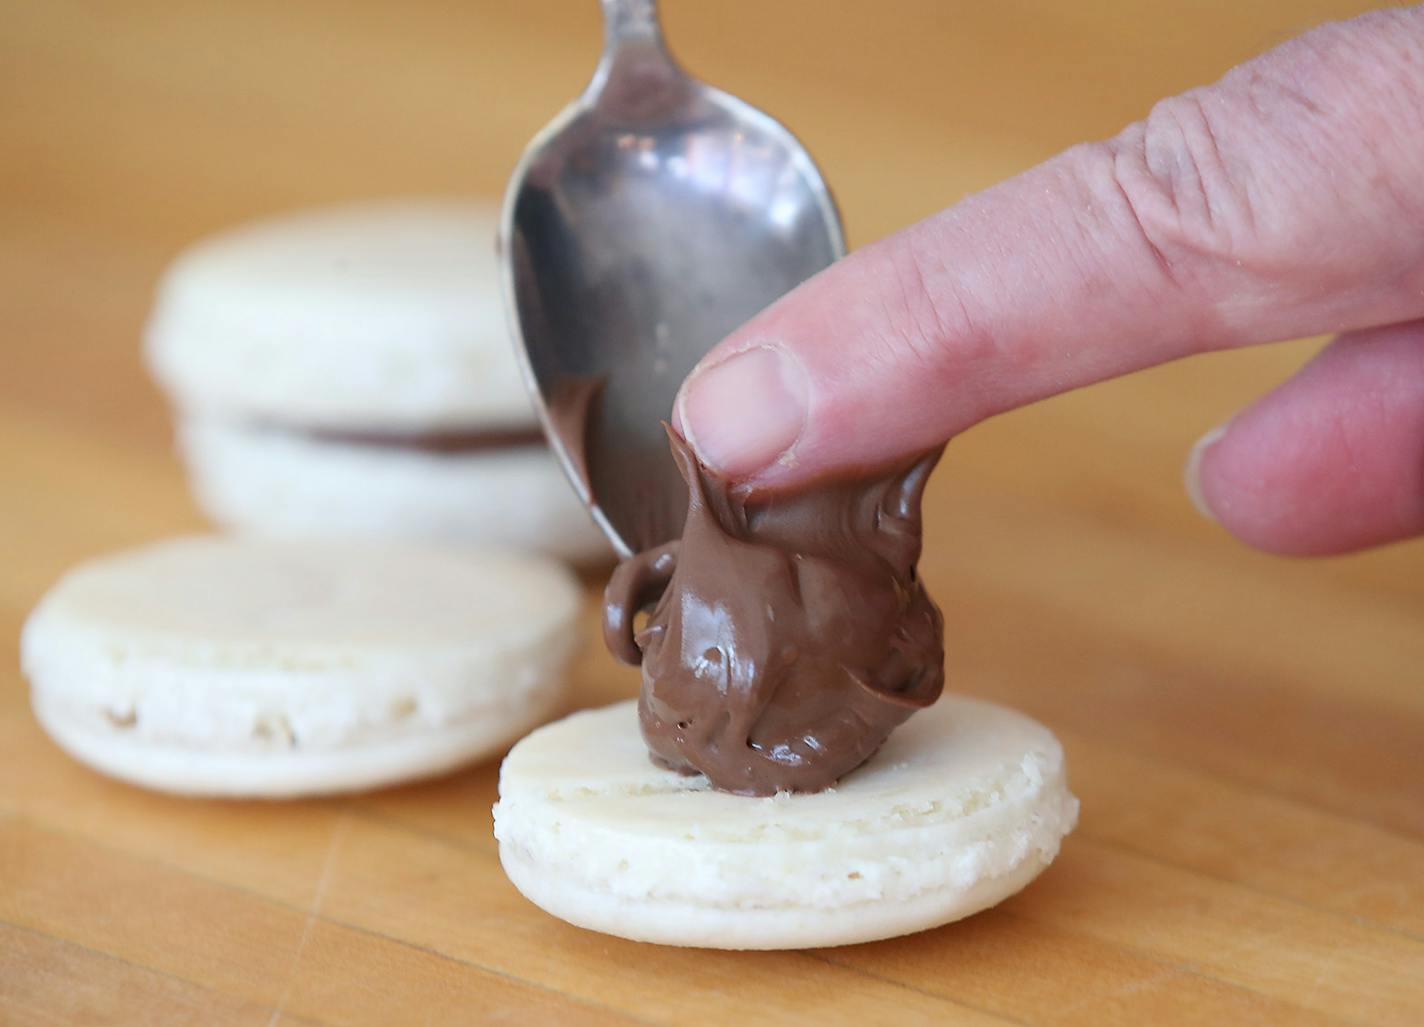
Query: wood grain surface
[1246, 732]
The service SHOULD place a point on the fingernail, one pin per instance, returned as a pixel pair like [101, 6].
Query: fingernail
[1191, 474]
[745, 413]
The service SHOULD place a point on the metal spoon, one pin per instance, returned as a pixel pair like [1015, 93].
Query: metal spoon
[644, 223]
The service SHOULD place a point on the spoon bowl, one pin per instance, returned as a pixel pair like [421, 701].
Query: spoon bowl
[648, 220]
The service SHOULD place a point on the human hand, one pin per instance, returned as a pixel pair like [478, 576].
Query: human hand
[1285, 200]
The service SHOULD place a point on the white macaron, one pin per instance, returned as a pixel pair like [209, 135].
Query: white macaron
[227, 666]
[348, 371]
[962, 807]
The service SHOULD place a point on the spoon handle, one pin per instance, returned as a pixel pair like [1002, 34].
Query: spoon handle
[637, 80]
[628, 20]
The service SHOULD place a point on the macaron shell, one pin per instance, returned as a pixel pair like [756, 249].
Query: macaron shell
[244, 667]
[197, 770]
[376, 316]
[962, 807]
[689, 924]
[285, 484]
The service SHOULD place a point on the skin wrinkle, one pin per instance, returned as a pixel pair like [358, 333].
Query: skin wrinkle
[1163, 264]
[1006, 361]
[1179, 293]
[947, 343]
[1258, 82]
[948, 340]
[1383, 39]
[1088, 177]
[1403, 124]
[930, 329]
[1189, 165]
[1293, 103]
[1103, 213]
[1213, 152]
[1002, 368]
[1201, 210]
[901, 343]
[1195, 132]
[1355, 78]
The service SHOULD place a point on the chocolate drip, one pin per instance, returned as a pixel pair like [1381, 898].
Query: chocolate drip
[788, 634]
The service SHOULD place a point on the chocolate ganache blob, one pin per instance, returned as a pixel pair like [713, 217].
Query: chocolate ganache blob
[789, 634]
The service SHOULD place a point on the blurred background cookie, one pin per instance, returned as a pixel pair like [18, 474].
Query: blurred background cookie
[347, 371]
[240, 667]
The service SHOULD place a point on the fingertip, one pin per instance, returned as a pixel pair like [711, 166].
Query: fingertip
[1192, 471]
[745, 412]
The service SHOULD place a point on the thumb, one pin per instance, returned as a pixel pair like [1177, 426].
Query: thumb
[1281, 201]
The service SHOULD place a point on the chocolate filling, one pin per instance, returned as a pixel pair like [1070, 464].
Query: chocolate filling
[450, 441]
[788, 635]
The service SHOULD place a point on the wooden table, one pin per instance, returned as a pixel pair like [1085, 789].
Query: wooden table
[1246, 733]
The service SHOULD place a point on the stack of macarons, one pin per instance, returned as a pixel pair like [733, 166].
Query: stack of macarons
[388, 603]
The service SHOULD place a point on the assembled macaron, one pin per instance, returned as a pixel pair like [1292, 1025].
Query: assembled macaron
[347, 371]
